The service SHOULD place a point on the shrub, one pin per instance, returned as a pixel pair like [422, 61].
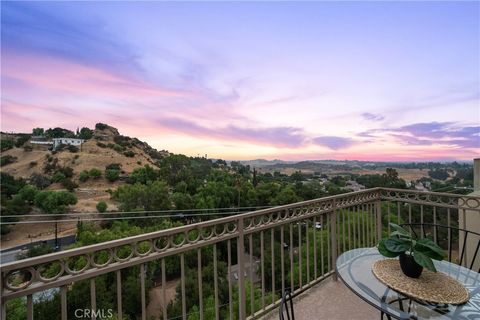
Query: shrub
[21, 140]
[102, 206]
[40, 181]
[85, 133]
[95, 173]
[118, 148]
[33, 164]
[72, 149]
[101, 145]
[54, 201]
[27, 148]
[6, 144]
[76, 156]
[84, 175]
[129, 153]
[114, 166]
[112, 175]
[101, 126]
[38, 131]
[69, 184]
[4, 160]
[58, 177]
[67, 171]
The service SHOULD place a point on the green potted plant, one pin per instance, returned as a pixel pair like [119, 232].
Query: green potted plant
[414, 254]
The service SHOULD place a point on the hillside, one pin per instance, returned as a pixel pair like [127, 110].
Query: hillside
[106, 146]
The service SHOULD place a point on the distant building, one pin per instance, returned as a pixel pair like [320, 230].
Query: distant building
[67, 141]
[235, 274]
[40, 140]
[354, 185]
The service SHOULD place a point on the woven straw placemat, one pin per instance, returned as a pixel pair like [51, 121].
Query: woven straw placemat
[435, 287]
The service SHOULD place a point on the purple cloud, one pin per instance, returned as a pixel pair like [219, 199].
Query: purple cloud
[275, 136]
[333, 142]
[430, 133]
[372, 116]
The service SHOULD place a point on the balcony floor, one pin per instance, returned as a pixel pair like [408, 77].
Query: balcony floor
[329, 300]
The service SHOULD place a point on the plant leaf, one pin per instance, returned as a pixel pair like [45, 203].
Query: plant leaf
[424, 260]
[428, 252]
[400, 230]
[397, 245]
[437, 252]
[384, 251]
[400, 235]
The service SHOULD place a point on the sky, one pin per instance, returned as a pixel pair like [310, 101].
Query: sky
[384, 81]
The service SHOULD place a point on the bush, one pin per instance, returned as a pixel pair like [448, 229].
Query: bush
[101, 145]
[101, 126]
[102, 206]
[27, 148]
[85, 133]
[33, 164]
[129, 154]
[58, 177]
[72, 149]
[117, 147]
[112, 175]
[69, 184]
[67, 171]
[84, 175]
[40, 181]
[38, 131]
[114, 166]
[54, 201]
[95, 173]
[21, 140]
[4, 160]
[6, 144]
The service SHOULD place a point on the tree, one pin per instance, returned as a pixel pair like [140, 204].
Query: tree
[101, 126]
[38, 131]
[102, 206]
[85, 133]
[152, 196]
[54, 202]
[143, 175]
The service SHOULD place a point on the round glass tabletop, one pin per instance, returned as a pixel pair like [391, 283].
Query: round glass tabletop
[354, 267]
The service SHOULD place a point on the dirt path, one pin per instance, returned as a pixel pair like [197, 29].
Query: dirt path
[154, 308]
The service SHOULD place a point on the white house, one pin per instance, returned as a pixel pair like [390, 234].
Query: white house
[66, 141]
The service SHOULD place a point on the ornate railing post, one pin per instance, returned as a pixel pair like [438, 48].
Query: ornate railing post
[333, 238]
[378, 213]
[241, 270]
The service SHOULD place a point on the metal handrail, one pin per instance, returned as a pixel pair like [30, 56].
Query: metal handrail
[241, 227]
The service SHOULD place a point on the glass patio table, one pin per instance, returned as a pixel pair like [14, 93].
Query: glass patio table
[354, 267]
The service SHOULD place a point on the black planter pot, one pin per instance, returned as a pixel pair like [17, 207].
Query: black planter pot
[409, 266]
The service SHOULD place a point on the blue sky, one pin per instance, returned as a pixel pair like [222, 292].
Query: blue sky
[310, 80]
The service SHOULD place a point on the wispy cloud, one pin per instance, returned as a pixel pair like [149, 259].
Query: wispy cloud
[372, 116]
[273, 136]
[334, 143]
[431, 133]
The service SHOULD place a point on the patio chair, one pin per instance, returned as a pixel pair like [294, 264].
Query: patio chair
[287, 297]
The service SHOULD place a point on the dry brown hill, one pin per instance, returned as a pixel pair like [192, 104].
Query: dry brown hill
[106, 147]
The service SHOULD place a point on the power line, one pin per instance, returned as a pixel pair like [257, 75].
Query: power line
[133, 212]
[118, 218]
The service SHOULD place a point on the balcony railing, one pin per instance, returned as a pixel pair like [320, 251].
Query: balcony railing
[265, 252]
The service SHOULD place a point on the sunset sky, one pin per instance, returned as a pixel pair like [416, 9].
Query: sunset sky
[293, 81]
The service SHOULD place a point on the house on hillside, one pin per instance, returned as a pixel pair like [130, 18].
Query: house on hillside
[66, 141]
